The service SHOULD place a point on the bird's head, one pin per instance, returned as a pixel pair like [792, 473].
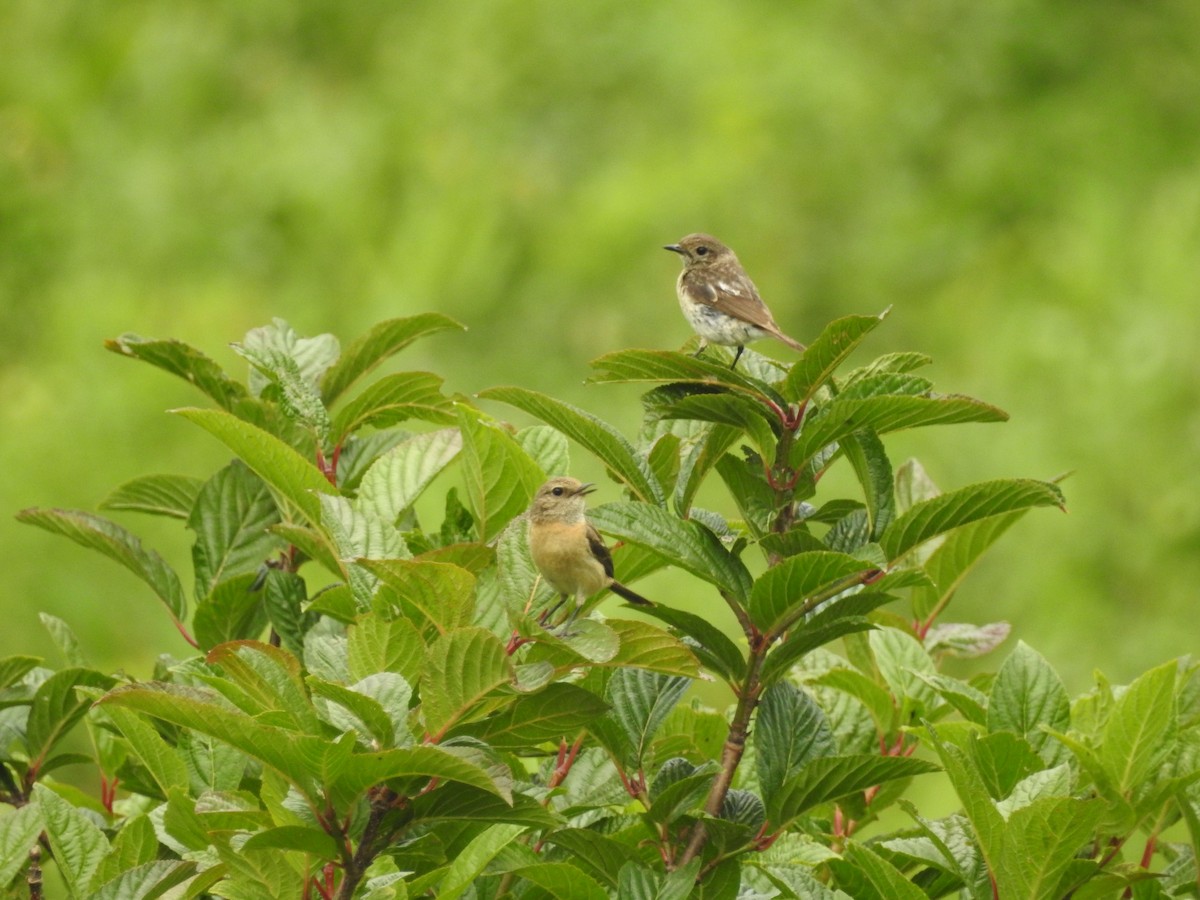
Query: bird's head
[561, 499]
[701, 250]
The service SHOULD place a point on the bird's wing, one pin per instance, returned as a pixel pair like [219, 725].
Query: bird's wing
[599, 549]
[735, 296]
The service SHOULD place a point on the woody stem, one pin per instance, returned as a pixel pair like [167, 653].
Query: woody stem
[735, 746]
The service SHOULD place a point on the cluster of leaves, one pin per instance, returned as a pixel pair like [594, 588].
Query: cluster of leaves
[394, 722]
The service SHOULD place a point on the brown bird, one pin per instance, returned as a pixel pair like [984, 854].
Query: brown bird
[567, 549]
[718, 298]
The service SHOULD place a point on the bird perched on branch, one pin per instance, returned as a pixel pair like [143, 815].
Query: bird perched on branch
[567, 549]
[718, 298]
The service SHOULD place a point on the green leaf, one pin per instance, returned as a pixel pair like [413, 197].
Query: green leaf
[461, 667]
[149, 879]
[826, 353]
[547, 447]
[702, 445]
[560, 711]
[988, 824]
[268, 679]
[208, 713]
[14, 668]
[472, 859]
[671, 367]
[1139, 731]
[307, 761]
[1002, 760]
[310, 357]
[521, 585]
[284, 595]
[57, 708]
[460, 803]
[380, 342]
[1039, 784]
[1026, 695]
[685, 542]
[212, 764]
[790, 730]
[187, 362]
[930, 518]
[902, 660]
[313, 841]
[733, 410]
[563, 881]
[295, 392]
[755, 499]
[663, 460]
[314, 543]
[375, 708]
[970, 702]
[19, 830]
[159, 495]
[291, 476]
[78, 845]
[359, 535]
[589, 641]
[501, 478]
[64, 639]
[782, 591]
[645, 646]
[876, 699]
[830, 777]
[394, 399]
[637, 882]
[904, 361]
[892, 412]
[597, 437]
[599, 855]
[397, 478]
[965, 641]
[116, 543]
[881, 874]
[640, 701]
[134, 845]
[802, 641]
[231, 516]
[161, 760]
[713, 646]
[376, 644]
[1040, 842]
[880, 384]
[442, 593]
[867, 455]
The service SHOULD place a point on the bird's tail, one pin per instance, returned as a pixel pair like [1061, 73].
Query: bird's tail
[791, 342]
[621, 591]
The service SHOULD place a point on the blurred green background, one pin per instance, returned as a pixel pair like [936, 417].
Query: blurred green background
[1020, 180]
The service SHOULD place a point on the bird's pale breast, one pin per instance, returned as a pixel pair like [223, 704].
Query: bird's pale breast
[562, 555]
[715, 326]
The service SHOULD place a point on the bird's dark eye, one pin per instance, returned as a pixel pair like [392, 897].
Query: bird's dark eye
[701, 251]
[557, 492]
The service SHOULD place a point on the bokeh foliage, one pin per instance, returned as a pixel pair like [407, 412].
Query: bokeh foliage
[1020, 179]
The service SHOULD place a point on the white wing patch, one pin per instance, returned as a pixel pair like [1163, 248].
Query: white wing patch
[736, 288]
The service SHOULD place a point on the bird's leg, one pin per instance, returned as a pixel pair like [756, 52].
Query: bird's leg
[700, 350]
[565, 629]
[545, 617]
[737, 356]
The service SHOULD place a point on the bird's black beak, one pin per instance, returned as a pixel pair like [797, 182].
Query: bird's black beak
[585, 489]
[674, 248]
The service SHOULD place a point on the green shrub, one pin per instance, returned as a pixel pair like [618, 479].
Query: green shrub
[374, 710]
